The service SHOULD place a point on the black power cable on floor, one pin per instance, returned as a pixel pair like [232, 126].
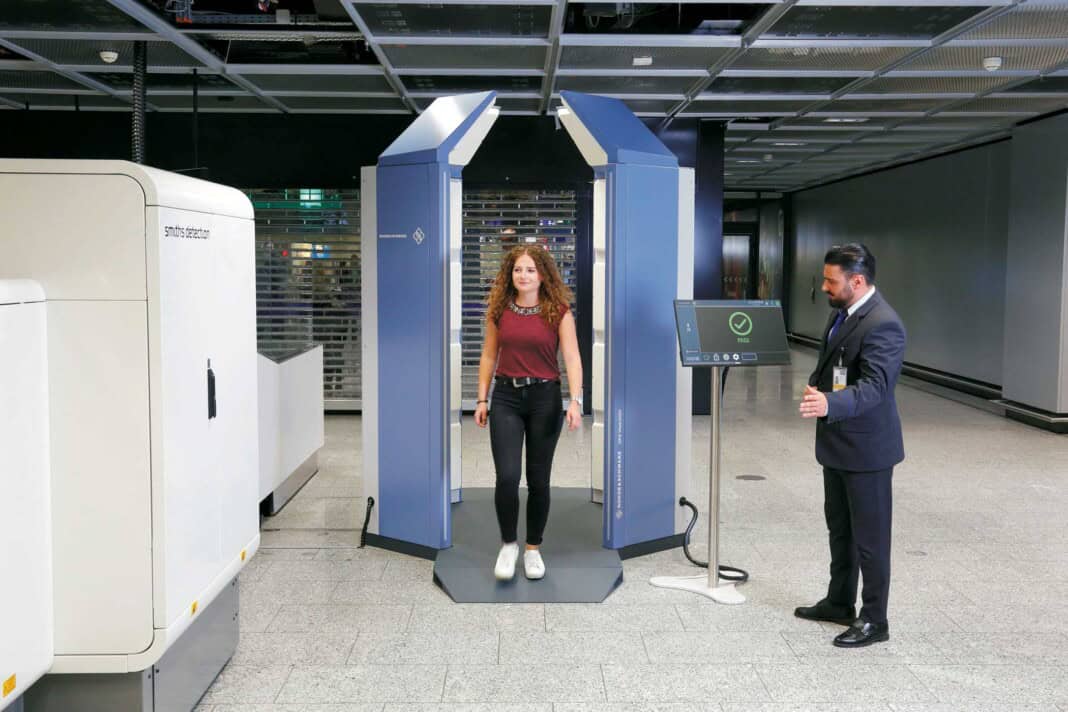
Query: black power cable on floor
[727, 573]
[366, 521]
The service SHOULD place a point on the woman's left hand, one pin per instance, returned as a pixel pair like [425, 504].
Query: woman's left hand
[574, 416]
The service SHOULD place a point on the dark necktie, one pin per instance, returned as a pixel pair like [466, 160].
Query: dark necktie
[842, 315]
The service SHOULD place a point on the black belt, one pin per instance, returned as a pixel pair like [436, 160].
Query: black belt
[523, 382]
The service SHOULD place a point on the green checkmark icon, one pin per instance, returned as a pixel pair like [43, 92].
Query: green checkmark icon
[740, 323]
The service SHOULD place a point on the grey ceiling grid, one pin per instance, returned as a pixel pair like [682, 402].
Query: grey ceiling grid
[390, 74]
[811, 90]
[552, 56]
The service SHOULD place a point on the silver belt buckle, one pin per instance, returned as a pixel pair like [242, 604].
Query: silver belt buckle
[515, 383]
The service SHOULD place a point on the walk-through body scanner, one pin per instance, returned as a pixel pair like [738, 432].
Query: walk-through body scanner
[643, 260]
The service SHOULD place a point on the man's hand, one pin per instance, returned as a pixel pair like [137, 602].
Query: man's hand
[813, 403]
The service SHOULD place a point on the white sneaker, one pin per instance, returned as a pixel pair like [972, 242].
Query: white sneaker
[533, 564]
[505, 568]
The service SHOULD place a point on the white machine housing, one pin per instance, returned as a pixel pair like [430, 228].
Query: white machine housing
[150, 278]
[292, 427]
[25, 511]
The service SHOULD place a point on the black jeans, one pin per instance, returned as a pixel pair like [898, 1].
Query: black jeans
[533, 412]
[858, 509]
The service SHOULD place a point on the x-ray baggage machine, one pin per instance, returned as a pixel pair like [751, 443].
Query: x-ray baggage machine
[716, 334]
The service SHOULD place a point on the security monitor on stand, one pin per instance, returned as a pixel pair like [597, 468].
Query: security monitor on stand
[717, 334]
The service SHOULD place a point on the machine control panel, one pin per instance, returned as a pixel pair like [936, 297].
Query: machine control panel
[731, 333]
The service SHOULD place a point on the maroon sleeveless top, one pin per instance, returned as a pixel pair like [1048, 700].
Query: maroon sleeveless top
[528, 346]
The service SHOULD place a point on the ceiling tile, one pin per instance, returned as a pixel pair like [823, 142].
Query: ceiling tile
[476, 20]
[651, 84]
[87, 52]
[465, 57]
[958, 58]
[825, 58]
[1031, 20]
[867, 22]
[622, 56]
[464, 84]
[66, 16]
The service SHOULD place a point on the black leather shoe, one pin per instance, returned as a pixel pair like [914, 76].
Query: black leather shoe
[863, 633]
[824, 611]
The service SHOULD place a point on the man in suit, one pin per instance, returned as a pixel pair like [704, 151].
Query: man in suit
[858, 442]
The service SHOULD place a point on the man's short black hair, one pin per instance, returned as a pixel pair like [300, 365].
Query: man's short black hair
[853, 258]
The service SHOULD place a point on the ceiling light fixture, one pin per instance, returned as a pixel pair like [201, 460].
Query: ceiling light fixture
[846, 120]
[789, 143]
[991, 64]
[642, 61]
[109, 56]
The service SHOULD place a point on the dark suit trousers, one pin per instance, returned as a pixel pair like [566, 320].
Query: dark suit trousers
[858, 509]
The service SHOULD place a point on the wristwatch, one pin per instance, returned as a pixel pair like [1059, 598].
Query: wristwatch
[577, 399]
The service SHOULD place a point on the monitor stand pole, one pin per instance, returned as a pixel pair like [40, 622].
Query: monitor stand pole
[711, 586]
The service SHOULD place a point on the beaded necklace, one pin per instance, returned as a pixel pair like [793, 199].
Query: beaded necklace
[524, 311]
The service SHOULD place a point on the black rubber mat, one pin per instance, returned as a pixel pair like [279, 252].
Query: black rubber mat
[578, 568]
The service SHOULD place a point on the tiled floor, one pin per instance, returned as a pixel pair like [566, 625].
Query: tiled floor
[978, 614]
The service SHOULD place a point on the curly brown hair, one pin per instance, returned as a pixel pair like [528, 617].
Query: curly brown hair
[553, 294]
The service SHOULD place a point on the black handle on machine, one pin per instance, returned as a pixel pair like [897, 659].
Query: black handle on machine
[212, 407]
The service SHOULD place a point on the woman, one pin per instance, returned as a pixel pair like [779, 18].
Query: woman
[527, 320]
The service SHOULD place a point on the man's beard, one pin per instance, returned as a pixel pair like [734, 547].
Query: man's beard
[842, 299]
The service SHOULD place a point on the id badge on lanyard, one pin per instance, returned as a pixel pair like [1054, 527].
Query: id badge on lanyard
[839, 379]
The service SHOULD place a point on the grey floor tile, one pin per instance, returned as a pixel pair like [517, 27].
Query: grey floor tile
[368, 568]
[804, 707]
[309, 538]
[367, 554]
[288, 591]
[340, 619]
[571, 647]
[902, 648]
[408, 569]
[255, 567]
[995, 683]
[469, 647]
[750, 617]
[470, 707]
[818, 682]
[637, 707]
[388, 592]
[592, 617]
[522, 683]
[345, 512]
[364, 683]
[975, 707]
[320, 648]
[716, 648]
[255, 615]
[247, 683]
[683, 683]
[264, 707]
[477, 616]
[914, 619]
[1024, 618]
[1002, 648]
[274, 554]
[301, 512]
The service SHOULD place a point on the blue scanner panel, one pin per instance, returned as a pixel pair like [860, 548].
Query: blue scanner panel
[413, 356]
[642, 285]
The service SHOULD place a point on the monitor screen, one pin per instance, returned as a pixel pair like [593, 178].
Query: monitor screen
[731, 333]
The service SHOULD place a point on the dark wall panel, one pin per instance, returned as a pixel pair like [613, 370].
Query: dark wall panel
[938, 229]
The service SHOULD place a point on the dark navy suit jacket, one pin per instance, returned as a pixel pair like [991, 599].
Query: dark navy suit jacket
[862, 429]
